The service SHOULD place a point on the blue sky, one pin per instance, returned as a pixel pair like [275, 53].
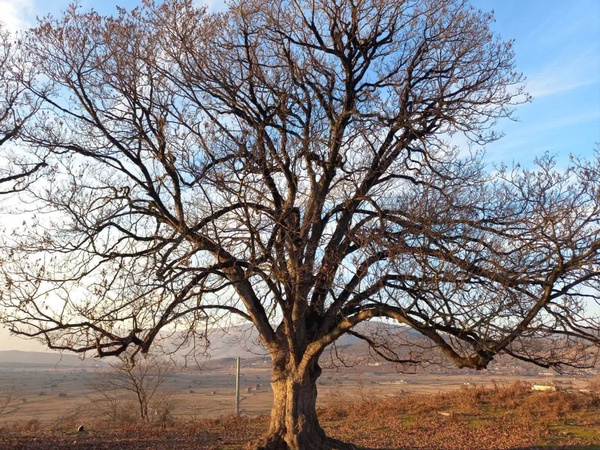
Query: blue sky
[557, 44]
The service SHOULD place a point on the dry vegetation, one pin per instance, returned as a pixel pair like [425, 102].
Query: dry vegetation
[473, 418]
[502, 417]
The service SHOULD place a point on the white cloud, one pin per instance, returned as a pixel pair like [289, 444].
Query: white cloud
[17, 15]
[213, 5]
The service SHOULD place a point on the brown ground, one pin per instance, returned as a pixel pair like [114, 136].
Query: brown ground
[470, 418]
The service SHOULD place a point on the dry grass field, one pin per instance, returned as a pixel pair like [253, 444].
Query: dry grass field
[48, 393]
[371, 406]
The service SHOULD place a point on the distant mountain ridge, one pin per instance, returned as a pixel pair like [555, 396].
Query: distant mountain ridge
[45, 359]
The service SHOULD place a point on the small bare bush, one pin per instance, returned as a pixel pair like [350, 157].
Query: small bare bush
[7, 396]
[134, 385]
[594, 384]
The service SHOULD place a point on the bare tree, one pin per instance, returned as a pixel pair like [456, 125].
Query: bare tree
[141, 377]
[287, 163]
[16, 107]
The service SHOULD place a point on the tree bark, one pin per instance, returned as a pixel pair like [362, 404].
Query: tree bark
[294, 422]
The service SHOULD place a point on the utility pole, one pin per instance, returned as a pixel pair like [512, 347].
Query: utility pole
[237, 387]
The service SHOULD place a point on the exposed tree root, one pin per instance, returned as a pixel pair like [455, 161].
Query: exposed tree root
[278, 442]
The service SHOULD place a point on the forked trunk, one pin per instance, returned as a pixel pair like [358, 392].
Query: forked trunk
[294, 423]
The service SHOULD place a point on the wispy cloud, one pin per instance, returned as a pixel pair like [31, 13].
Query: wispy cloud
[565, 74]
[565, 22]
[560, 134]
[561, 52]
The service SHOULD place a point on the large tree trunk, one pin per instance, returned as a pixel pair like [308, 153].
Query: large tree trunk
[294, 423]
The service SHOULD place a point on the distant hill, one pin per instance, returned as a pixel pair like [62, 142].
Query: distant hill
[45, 359]
[243, 341]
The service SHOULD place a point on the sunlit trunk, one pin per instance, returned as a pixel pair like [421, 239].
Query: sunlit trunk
[294, 423]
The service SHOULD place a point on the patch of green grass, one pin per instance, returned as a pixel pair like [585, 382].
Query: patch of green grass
[571, 447]
[479, 422]
[579, 431]
[409, 420]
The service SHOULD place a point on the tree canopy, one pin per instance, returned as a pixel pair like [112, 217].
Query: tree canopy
[290, 164]
[16, 107]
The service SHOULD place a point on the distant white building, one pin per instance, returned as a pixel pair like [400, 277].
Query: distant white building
[543, 387]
